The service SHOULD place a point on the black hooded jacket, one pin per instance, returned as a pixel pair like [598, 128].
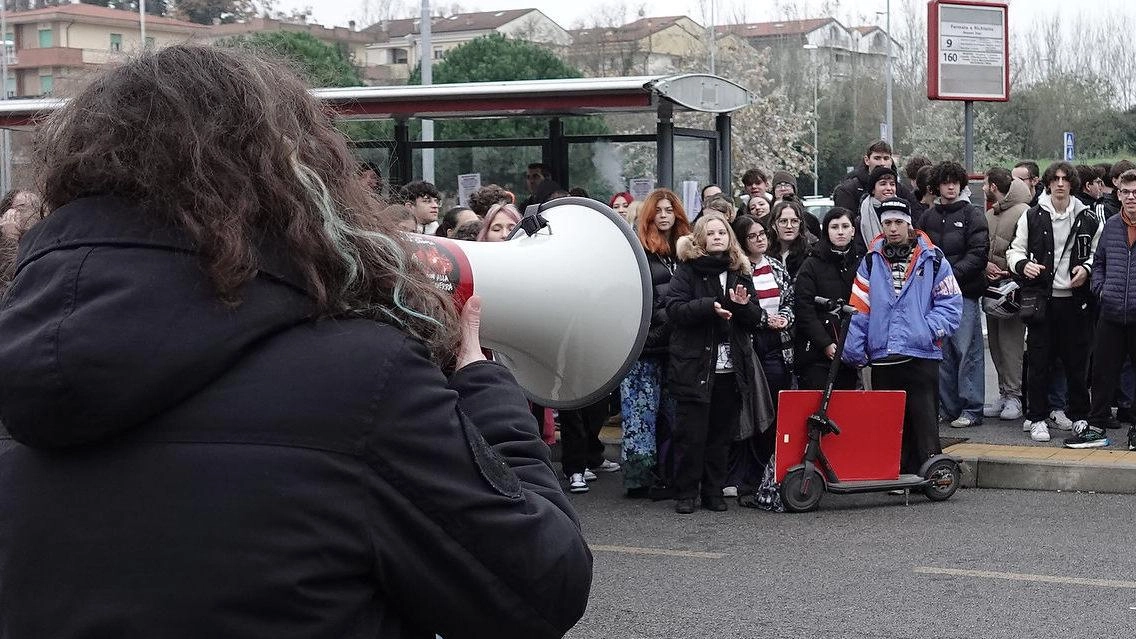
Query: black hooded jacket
[825, 273]
[849, 192]
[960, 230]
[188, 468]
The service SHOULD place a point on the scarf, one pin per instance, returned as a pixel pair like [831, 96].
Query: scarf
[1130, 225]
[870, 225]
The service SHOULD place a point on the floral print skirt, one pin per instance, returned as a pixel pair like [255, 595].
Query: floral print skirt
[648, 411]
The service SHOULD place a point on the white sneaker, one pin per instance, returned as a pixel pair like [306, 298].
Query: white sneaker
[730, 491]
[962, 422]
[1060, 420]
[995, 408]
[588, 475]
[576, 483]
[607, 466]
[1039, 431]
[1026, 426]
[1012, 410]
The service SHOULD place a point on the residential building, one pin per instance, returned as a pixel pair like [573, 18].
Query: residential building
[53, 47]
[840, 50]
[393, 53]
[647, 46]
[351, 42]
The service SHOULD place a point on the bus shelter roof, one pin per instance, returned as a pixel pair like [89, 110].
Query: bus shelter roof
[547, 98]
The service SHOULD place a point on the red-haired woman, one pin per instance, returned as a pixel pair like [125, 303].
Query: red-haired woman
[620, 203]
[648, 411]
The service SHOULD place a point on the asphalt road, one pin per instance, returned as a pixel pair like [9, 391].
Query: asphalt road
[1033, 564]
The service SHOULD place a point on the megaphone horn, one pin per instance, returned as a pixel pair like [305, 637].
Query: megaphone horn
[566, 300]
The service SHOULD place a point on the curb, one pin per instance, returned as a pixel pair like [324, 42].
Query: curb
[1096, 471]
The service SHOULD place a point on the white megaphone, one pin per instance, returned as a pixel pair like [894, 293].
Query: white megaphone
[566, 300]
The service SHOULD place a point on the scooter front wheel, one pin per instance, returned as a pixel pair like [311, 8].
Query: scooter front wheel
[943, 477]
[799, 496]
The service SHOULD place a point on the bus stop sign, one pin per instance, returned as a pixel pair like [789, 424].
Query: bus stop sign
[968, 50]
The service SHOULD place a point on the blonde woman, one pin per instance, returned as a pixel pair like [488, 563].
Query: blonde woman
[713, 372]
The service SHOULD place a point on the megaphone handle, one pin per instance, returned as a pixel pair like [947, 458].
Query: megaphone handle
[532, 222]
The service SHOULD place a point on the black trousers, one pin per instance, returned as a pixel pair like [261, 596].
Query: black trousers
[580, 445]
[920, 378]
[702, 437]
[1115, 345]
[814, 376]
[1064, 334]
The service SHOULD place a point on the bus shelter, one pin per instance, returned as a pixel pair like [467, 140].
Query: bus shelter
[680, 154]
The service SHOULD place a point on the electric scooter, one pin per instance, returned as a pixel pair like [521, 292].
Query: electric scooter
[866, 458]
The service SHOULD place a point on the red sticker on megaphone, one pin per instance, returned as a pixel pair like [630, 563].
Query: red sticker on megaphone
[445, 264]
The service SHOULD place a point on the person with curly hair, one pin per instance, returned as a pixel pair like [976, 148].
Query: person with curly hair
[239, 409]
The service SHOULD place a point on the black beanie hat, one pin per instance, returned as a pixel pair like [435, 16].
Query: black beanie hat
[879, 172]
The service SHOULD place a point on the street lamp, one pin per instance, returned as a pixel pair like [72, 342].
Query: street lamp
[887, 112]
[816, 119]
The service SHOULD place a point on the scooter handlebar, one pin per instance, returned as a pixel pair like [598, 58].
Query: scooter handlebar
[834, 306]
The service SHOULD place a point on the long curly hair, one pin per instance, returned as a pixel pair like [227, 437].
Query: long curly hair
[653, 240]
[229, 146]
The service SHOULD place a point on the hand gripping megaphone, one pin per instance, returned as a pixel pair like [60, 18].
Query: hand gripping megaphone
[566, 300]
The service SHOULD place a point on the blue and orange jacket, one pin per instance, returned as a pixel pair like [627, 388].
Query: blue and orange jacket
[912, 323]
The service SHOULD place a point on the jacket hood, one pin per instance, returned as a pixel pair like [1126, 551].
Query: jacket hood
[111, 322]
[1020, 193]
[1046, 202]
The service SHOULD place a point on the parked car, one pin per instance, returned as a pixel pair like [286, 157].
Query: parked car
[818, 206]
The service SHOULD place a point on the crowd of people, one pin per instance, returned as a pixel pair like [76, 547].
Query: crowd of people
[1044, 268]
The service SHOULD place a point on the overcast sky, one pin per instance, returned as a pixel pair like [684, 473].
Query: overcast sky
[851, 12]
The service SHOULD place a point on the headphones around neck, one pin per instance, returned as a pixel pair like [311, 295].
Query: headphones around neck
[896, 252]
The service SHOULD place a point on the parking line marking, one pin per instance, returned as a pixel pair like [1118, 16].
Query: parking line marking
[633, 550]
[1013, 576]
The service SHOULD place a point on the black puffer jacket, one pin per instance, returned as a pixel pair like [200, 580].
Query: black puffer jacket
[959, 230]
[192, 469]
[696, 331]
[658, 335]
[849, 192]
[825, 273]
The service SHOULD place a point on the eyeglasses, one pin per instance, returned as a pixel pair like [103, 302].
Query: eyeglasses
[788, 222]
[1125, 193]
[754, 236]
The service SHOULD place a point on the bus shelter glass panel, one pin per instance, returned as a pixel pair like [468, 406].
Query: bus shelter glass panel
[378, 156]
[501, 165]
[694, 161]
[605, 167]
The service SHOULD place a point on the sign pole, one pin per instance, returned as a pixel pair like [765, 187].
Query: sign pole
[968, 135]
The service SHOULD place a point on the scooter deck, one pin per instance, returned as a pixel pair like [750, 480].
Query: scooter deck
[871, 430]
[849, 487]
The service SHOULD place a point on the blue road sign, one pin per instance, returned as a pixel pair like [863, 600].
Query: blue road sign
[1070, 140]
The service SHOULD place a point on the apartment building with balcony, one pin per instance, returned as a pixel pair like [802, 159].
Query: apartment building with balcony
[839, 50]
[51, 48]
[351, 42]
[393, 53]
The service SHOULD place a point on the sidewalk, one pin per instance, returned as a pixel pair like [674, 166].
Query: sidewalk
[998, 454]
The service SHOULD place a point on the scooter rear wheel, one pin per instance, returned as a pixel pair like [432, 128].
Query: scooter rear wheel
[944, 476]
[796, 496]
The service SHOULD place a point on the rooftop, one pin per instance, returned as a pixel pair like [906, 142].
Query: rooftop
[96, 14]
[777, 28]
[479, 21]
